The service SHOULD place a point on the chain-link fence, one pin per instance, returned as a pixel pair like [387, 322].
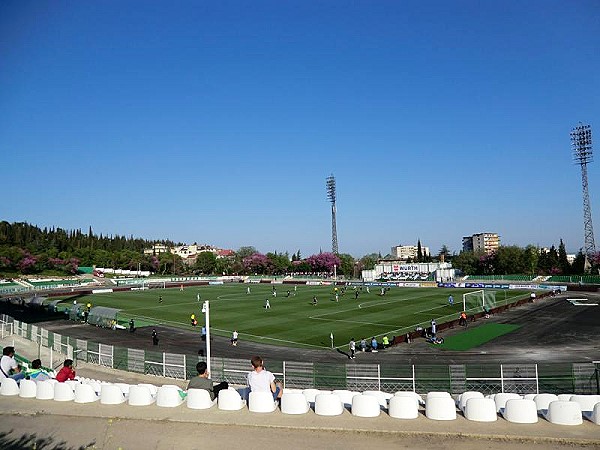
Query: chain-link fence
[574, 378]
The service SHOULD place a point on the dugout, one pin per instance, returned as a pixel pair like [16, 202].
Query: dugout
[36, 302]
[102, 316]
[75, 312]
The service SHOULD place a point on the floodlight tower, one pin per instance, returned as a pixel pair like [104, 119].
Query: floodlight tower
[581, 141]
[330, 183]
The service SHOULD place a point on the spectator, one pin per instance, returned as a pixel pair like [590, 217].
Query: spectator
[154, 337]
[363, 345]
[203, 382]
[374, 344]
[8, 365]
[385, 341]
[67, 372]
[36, 373]
[261, 380]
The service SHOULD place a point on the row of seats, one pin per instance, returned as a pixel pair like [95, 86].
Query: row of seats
[563, 409]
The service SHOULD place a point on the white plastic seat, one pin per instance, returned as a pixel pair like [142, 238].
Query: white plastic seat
[543, 400]
[151, 387]
[564, 413]
[111, 395]
[530, 396]
[437, 394]
[45, 390]
[97, 387]
[72, 384]
[593, 416]
[587, 402]
[261, 402]
[440, 408]
[9, 387]
[503, 397]
[365, 406]
[63, 392]
[84, 393]
[328, 405]
[462, 399]
[199, 399]
[403, 407]
[382, 397]
[140, 395]
[310, 394]
[168, 396]
[410, 394]
[564, 397]
[479, 409]
[124, 388]
[345, 396]
[294, 403]
[27, 389]
[519, 410]
[230, 400]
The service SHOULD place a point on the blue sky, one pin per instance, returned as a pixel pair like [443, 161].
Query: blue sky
[218, 122]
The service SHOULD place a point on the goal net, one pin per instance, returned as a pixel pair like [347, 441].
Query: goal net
[479, 301]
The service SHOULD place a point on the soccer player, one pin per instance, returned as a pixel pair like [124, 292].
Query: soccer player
[267, 304]
[450, 300]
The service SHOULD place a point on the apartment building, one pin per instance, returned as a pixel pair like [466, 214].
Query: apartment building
[481, 242]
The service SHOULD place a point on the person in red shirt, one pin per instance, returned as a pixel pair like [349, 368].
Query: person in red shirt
[67, 372]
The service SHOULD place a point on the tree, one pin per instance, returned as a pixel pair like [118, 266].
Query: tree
[368, 261]
[531, 256]
[419, 251]
[444, 253]
[346, 266]
[323, 262]
[467, 262]
[279, 262]
[206, 262]
[257, 263]
[563, 262]
[578, 266]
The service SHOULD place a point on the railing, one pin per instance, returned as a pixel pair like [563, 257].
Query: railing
[575, 378]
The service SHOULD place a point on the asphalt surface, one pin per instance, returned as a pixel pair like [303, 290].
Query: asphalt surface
[552, 330]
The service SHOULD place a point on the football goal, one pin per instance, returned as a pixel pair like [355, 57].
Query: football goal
[479, 301]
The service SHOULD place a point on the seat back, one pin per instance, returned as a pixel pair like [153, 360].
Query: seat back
[84, 393]
[261, 402]
[140, 395]
[411, 394]
[480, 409]
[503, 397]
[198, 399]
[519, 410]
[564, 413]
[543, 400]
[328, 405]
[462, 399]
[345, 396]
[294, 403]
[587, 402]
[440, 408]
[9, 387]
[111, 395]
[168, 396]
[45, 390]
[365, 406]
[403, 407]
[382, 397]
[230, 400]
[28, 389]
[63, 392]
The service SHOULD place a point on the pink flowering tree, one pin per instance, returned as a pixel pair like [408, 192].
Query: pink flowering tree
[28, 263]
[72, 266]
[256, 263]
[323, 262]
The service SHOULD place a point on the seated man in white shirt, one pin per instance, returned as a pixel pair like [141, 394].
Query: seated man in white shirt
[8, 365]
[261, 380]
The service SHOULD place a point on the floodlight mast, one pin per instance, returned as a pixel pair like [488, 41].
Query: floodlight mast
[581, 141]
[330, 183]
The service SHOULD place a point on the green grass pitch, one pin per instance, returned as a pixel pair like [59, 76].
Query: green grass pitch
[293, 321]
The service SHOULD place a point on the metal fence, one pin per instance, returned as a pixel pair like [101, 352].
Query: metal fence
[575, 378]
